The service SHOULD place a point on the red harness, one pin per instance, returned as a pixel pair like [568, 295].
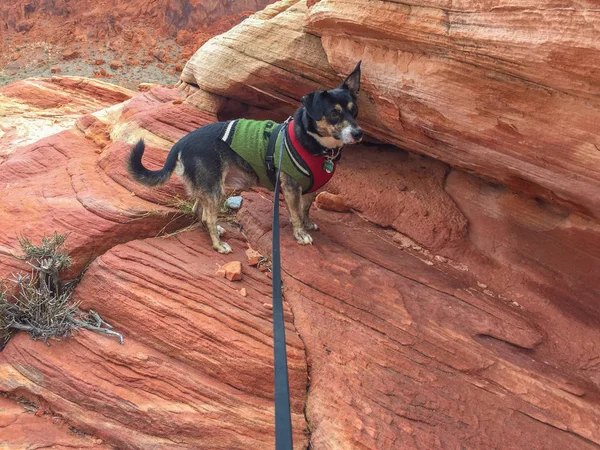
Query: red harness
[315, 163]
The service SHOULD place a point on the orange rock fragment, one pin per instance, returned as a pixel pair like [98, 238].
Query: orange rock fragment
[116, 64]
[332, 202]
[253, 256]
[232, 271]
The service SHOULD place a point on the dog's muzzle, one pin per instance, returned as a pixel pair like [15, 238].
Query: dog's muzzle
[351, 135]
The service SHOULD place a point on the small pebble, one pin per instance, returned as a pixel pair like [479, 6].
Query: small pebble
[253, 256]
[234, 202]
[232, 271]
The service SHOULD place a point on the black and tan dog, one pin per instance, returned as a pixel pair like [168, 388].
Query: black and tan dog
[233, 153]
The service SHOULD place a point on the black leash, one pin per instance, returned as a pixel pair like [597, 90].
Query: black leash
[283, 419]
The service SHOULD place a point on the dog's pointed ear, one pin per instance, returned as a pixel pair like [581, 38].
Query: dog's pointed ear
[352, 83]
[313, 103]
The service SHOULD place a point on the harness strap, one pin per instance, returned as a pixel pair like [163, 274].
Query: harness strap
[283, 419]
[272, 173]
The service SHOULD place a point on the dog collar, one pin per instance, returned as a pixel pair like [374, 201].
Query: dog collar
[322, 167]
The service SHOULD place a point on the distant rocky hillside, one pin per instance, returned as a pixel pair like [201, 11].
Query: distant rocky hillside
[127, 42]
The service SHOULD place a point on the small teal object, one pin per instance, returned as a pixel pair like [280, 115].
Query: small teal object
[328, 166]
[234, 202]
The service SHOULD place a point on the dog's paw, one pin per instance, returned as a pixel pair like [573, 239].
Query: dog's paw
[220, 231]
[303, 238]
[223, 247]
[310, 226]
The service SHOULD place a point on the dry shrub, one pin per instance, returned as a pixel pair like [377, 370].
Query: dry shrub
[39, 302]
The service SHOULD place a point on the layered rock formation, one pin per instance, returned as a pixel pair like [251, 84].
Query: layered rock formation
[18, 424]
[512, 104]
[196, 367]
[36, 108]
[209, 396]
[471, 84]
[454, 307]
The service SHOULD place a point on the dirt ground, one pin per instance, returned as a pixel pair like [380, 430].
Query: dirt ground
[98, 61]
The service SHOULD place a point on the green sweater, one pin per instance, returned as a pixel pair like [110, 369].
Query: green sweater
[250, 138]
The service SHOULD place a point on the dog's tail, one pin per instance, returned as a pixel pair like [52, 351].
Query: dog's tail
[150, 177]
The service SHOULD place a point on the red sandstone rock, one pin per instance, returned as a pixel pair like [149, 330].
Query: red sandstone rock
[35, 108]
[69, 186]
[143, 87]
[116, 64]
[409, 349]
[55, 70]
[184, 37]
[253, 256]
[21, 429]
[160, 55]
[332, 202]
[101, 73]
[66, 28]
[76, 180]
[98, 62]
[232, 271]
[69, 55]
[472, 328]
[508, 239]
[401, 344]
[483, 111]
[197, 355]
[403, 191]
[133, 61]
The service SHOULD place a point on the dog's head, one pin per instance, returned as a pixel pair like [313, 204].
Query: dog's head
[332, 113]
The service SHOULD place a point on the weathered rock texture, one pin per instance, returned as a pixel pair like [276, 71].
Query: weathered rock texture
[409, 351]
[474, 84]
[196, 367]
[446, 310]
[20, 428]
[74, 181]
[192, 388]
[506, 91]
[269, 77]
[477, 86]
[35, 108]
[101, 18]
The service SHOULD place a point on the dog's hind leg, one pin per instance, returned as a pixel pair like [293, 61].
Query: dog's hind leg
[306, 202]
[292, 192]
[210, 213]
[207, 211]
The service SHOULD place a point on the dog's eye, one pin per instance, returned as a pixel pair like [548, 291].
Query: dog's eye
[334, 116]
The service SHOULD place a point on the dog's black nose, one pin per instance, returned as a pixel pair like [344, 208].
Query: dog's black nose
[357, 134]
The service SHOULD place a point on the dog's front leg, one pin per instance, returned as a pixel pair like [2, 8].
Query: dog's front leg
[305, 204]
[292, 192]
